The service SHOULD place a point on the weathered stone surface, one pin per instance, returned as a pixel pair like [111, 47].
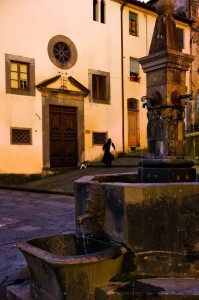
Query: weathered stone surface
[158, 222]
[70, 266]
[150, 289]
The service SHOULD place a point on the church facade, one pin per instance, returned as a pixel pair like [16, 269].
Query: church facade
[70, 79]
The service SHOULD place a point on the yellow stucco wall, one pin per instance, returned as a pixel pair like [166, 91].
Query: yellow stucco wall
[26, 29]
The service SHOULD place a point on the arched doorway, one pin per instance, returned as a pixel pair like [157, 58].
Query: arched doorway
[133, 121]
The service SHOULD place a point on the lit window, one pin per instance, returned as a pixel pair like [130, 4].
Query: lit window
[134, 70]
[133, 26]
[20, 75]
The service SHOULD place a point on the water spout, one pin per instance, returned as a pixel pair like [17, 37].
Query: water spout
[81, 219]
[178, 99]
[186, 96]
[146, 101]
[95, 208]
[154, 100]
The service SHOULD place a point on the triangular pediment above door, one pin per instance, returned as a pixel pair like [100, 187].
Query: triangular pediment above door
[61, 84]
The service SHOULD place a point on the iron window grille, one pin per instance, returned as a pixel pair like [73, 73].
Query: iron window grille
[99, 138]
[21, 136]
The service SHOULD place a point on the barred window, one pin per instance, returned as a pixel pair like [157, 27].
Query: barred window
[99, 138]
[21, 136]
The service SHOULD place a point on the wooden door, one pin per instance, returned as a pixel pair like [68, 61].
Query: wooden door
[63, 136]
[132, 128]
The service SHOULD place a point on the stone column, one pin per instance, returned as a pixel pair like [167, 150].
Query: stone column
[166, 68]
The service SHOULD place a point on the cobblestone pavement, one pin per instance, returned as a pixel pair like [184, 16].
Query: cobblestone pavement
[39, 208]
[25, 215]
[64, 183]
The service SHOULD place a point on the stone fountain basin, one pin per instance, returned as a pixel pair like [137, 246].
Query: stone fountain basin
[159, 222]
[70, 266]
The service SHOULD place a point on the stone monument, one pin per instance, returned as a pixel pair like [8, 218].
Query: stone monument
[166, 67]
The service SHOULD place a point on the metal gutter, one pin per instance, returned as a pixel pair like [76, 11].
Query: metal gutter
[122, 70]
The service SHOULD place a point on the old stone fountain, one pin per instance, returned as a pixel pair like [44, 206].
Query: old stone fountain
[152, 215]
[155, 213]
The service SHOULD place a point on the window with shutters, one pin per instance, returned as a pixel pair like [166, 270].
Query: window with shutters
[99, 87]
[134, 70]
[133, 24]
[99, 84]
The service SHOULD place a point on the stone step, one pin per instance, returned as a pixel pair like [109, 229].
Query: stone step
[150, 289]
[156, 289]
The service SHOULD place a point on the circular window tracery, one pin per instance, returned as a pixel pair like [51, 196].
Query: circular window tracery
[62, 52]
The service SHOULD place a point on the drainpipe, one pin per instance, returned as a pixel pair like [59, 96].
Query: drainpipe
[122, 70]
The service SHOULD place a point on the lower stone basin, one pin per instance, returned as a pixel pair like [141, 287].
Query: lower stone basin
[70, 266]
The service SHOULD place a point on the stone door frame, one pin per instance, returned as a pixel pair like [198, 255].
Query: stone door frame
[62, 99]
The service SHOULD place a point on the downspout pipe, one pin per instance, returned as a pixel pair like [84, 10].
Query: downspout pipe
[122, 70]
